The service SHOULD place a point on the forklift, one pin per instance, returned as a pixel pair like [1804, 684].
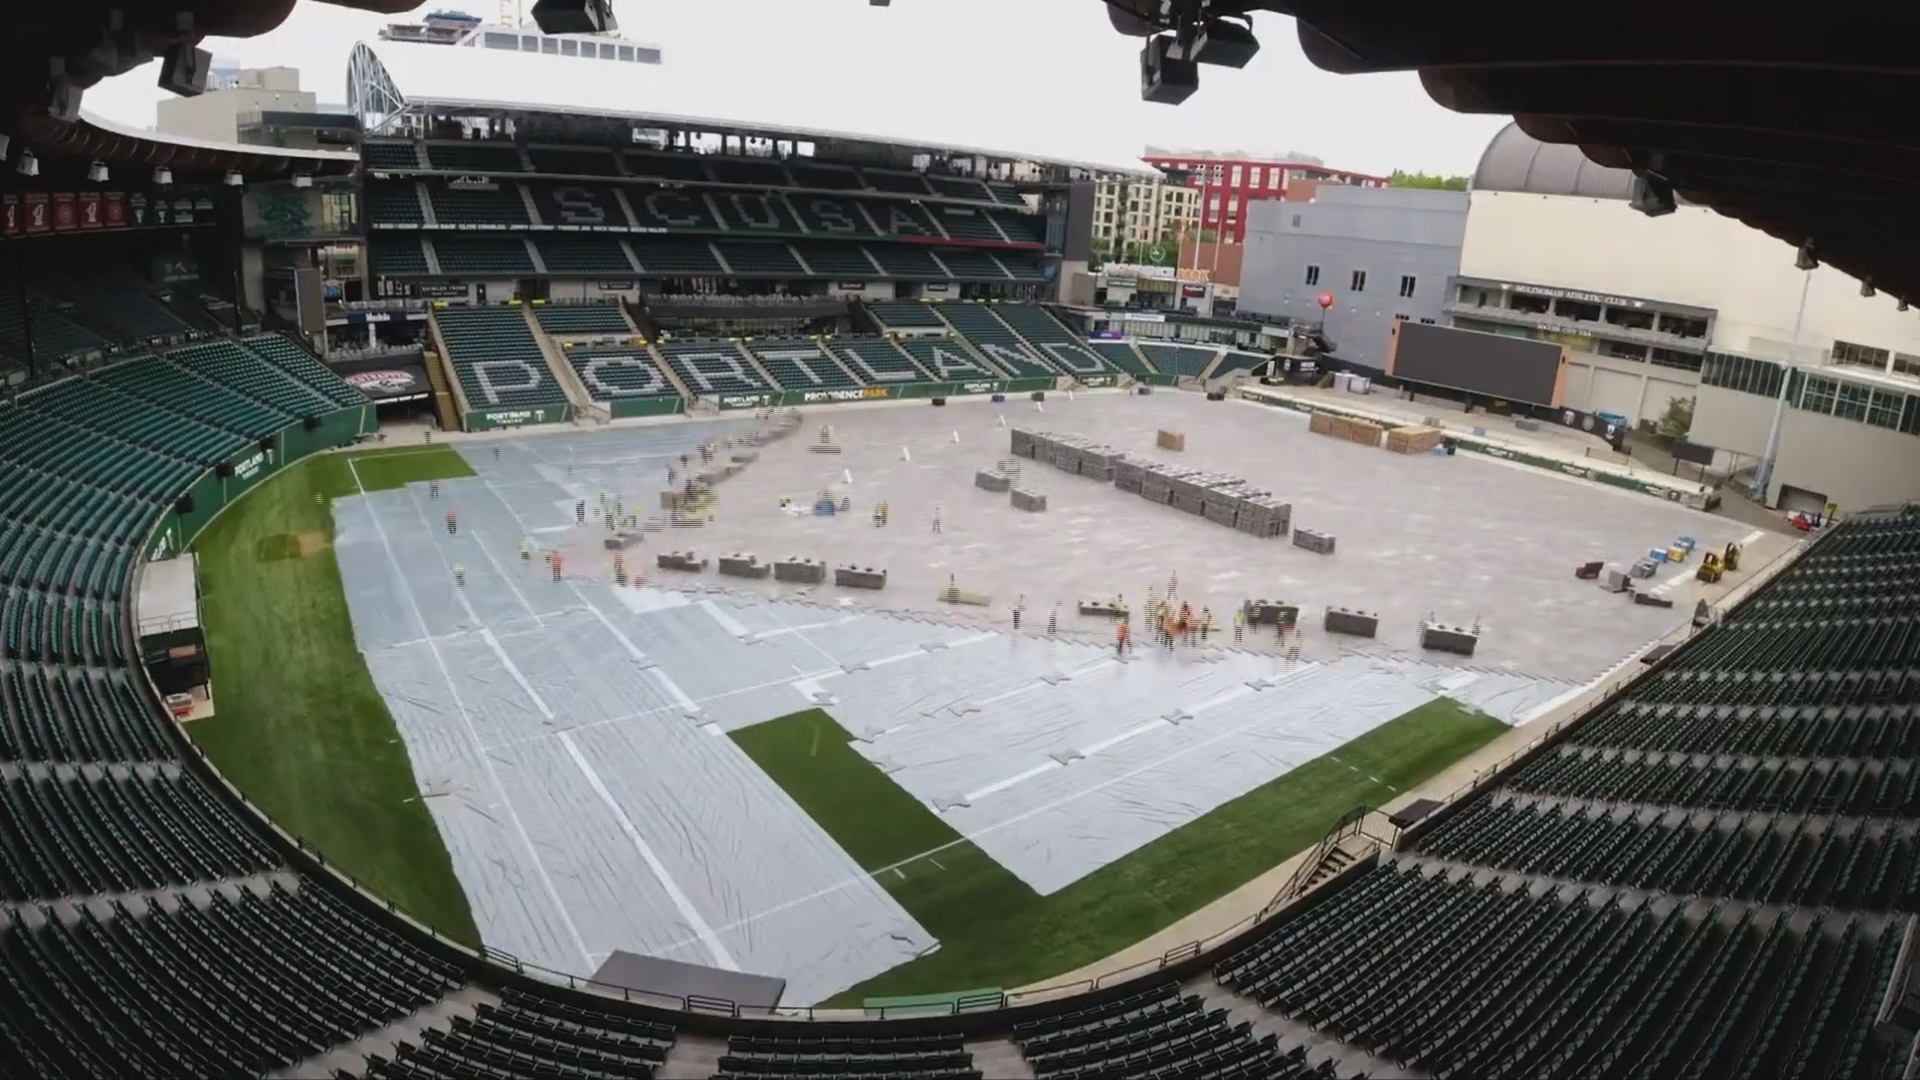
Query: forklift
[1715, 564]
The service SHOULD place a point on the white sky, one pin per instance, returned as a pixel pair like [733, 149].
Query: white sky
[1042, 63]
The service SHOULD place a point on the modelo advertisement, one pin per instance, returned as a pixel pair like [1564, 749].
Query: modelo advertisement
[385, 380]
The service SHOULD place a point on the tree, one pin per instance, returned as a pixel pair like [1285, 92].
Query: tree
[1677, 419]
[1433, 181]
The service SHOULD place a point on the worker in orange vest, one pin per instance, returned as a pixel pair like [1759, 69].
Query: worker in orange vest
[1120, 634]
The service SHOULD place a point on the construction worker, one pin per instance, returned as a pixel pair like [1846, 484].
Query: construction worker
[1120, 638]
[1206, 622]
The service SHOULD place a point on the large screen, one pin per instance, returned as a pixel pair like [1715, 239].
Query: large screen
[1485, 365]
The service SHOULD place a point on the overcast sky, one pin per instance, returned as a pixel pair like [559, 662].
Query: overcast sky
[1042, 63]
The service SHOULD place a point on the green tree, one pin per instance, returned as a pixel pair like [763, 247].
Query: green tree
[1434, 181]
[1677, 419]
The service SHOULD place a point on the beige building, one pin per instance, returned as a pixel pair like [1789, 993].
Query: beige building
[1127, 211]
[219, 114]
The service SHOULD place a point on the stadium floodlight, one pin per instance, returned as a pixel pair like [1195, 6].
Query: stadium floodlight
[163, 176]
[28, 165]
[97, 172]
[302, 180]
[234, 179]
[1805, 260]
[1866, 287]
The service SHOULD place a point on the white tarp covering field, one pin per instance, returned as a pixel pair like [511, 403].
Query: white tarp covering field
[570, 737]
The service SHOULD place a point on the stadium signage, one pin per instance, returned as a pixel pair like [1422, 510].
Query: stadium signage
[1098, 380]
[245, 470]
[516, 416]
[866, 393]
[745, 401]
[616, 286]
[1552, 293]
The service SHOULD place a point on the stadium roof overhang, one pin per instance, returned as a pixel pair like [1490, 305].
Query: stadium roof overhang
[1792, 125]
[94, 138]
[475, 81]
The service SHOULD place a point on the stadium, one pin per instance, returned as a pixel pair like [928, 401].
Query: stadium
[708, 607]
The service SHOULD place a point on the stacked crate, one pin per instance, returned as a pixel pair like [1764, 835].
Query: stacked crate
[1068, 453]
[1366, 433]
[1416, 439]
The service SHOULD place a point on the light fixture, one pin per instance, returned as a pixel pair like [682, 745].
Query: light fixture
[28, 165]
[1866, 287]
[1805, 260]
[1901, 306]
[97, 172]
[302, 180]
[5, 142]
[234, 179]
[163, 176]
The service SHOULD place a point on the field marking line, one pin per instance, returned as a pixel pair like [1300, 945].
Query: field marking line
[656, 674]
[681, 901]
[473, 734]
[971, 838]
[514, 673]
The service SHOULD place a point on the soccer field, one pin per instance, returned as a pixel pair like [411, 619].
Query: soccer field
[995, 931]
[299, 727]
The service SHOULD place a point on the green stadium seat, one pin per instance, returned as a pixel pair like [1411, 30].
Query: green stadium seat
[573, 160]
[612, 372]
[394, 202]
[492, 207]
[497, 359]
[994, 340]
[671, 209]
[481, 158]
[769, 261]
[463, 255]
[685, 168]
[600, 319]
[395, 255]
[712, 367]
[671, 257]
[294, 360]
[593, 255]
[228, 364]
[841, 260]
[876, 361]
[799, 364]
[390, 154]
[579, 205]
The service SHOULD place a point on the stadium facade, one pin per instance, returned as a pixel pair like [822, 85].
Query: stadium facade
[1690, 306]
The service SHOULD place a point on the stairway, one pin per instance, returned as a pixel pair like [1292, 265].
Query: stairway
[1348, 1060]
[693, 1057]
[999, 1059]
[385, 1042]
[448, 399]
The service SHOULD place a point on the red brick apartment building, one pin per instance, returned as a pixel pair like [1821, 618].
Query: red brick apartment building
[1228, 183]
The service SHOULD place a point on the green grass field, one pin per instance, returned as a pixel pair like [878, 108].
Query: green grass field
[994, 931]
[299, 726]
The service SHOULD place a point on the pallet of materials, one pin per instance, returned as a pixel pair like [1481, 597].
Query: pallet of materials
[1320, 423]
[1415, 439]
[1366, 433]
[1341, 428]
[1171, 440]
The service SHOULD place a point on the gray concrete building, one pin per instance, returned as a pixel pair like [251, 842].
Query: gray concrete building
[1381, 253]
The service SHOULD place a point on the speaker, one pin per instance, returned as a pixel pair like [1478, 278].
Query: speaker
[939, 401]
[1039, 395]
[183, 504]
[223, 470]
[266, 446]
[311, 423]
[1165, 77]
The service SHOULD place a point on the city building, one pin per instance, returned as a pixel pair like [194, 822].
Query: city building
[1695, 306]
[1143, 213]
[1380, 254]
[233, 97]
[1229, 182]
